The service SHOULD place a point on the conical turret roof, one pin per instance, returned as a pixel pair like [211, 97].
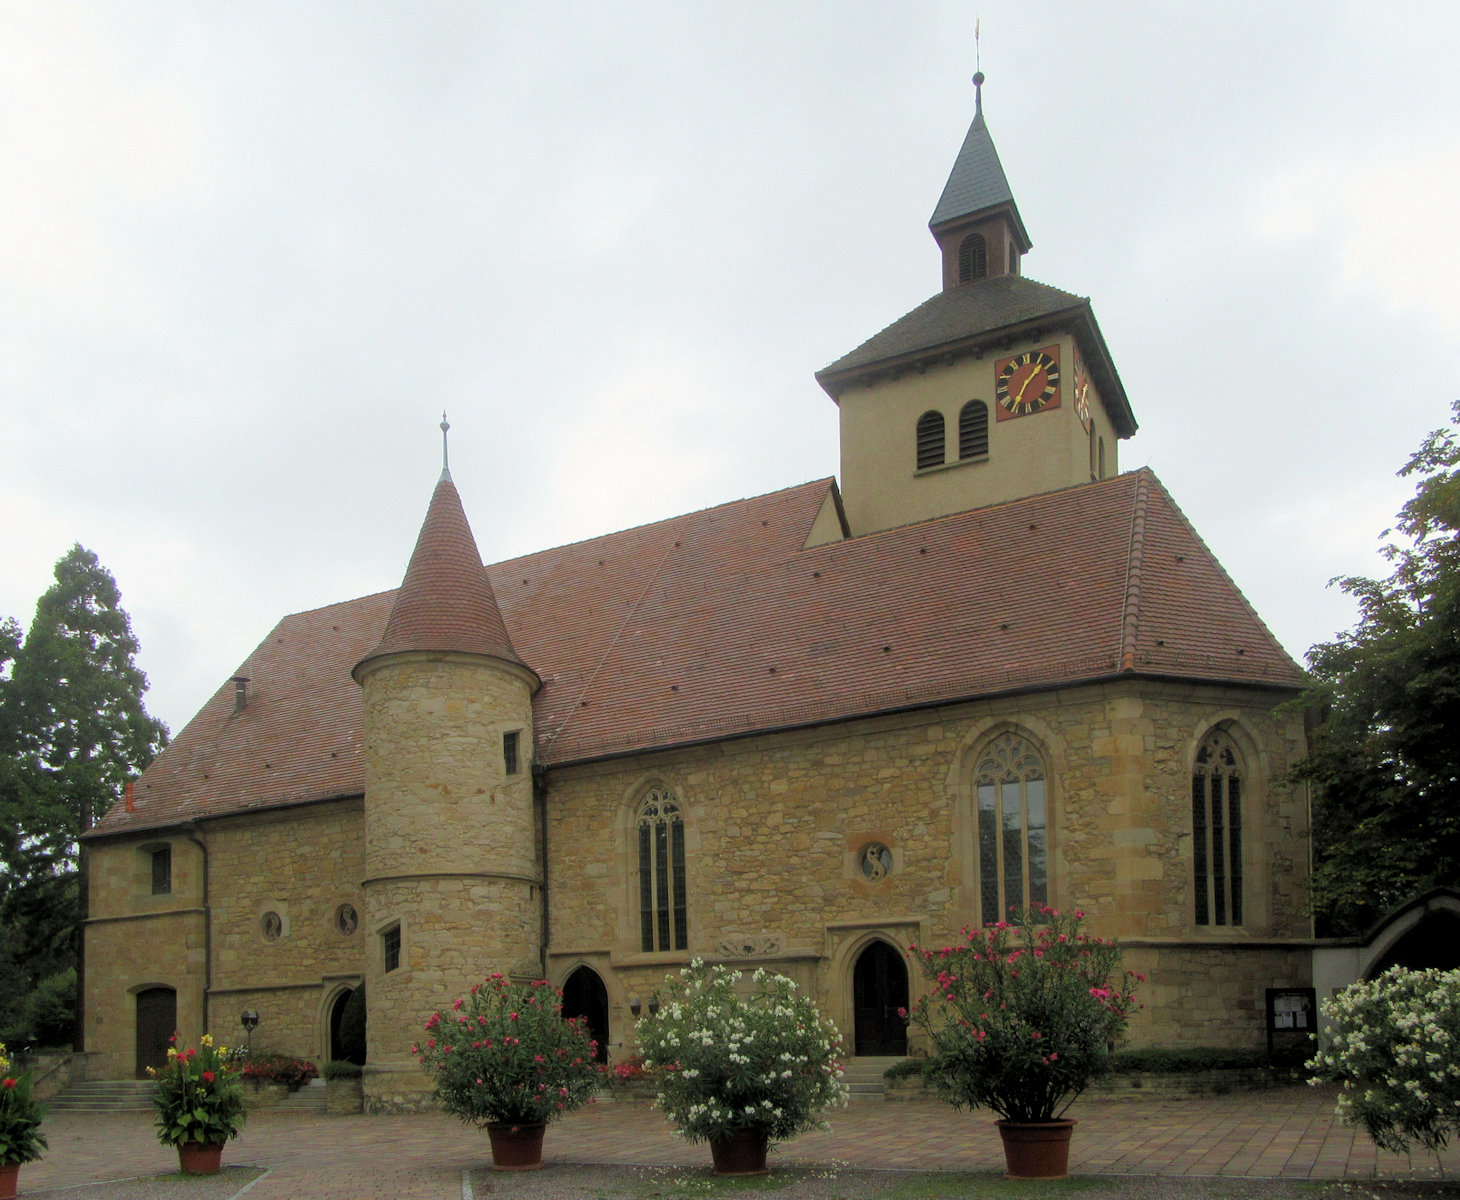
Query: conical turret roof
[446, 602]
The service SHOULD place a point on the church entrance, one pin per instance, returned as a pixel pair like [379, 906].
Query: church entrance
[1434, 942]
[156, 1023]
[879, 989]
[337, 1013]
[585, 996]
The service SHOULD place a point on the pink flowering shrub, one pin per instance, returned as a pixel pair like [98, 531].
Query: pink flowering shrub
[1024, 1015]
[505, 1054]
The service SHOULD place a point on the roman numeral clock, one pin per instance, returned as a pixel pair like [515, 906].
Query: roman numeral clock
[1027, 383]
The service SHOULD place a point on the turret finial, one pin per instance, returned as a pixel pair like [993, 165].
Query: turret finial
[445, 465]
[977, 73]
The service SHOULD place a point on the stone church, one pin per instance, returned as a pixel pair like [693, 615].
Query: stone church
[804, 730]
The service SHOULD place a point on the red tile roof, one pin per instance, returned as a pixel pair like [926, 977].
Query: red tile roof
[718, 623]
[445, 601]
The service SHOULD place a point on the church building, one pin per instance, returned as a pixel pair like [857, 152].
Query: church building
[805, 730]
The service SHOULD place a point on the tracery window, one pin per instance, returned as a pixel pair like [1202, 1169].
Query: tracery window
[663, 912]
[1216, 831]
[973, 430]
[930, 439]
[1013, 841]
[973, 258]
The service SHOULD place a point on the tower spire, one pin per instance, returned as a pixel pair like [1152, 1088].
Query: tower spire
[445, 464]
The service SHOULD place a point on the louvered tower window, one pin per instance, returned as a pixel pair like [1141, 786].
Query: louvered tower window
[973, 430]
[1216, 831]
[930, 440]
[1013, 840]
[973, 258]
[663, 915]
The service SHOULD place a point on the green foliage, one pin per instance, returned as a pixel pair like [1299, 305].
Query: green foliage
[505, 1054]
[281, 1068]
[50, 1010]
[1156, 1061]
[1395, 1049]
[1385, 763]
[72, 730]
[908, 1068]
[199, 1095]
[1023, 1016]
[342, 1068]
[729, 1059]
[21, 1139]
[352, 1027]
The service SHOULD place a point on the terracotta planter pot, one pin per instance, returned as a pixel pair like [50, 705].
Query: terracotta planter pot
[200, 1158]
[9, 1173]
[742, 1153]
[516, 1147]
[1036, 1149]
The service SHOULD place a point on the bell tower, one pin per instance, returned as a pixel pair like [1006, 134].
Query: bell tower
[452, 875]
[996, 388]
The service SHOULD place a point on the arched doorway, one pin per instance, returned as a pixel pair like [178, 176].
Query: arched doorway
[585, 996]
[1433, 942]
[337, 1013]
[879, 990]
[156, 1023]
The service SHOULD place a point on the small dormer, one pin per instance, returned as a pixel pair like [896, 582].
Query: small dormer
[976, 223]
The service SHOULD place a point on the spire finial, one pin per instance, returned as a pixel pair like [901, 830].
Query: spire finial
[977, 73]
[445, 465]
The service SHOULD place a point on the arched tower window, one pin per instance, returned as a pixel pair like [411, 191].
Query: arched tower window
[973, 430]
[1013, 842]
[663, 912]
[1100, 455]
[973, 258]
[1216, 831]
[930, 440]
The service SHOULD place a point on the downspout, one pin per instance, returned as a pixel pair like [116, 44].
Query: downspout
[190, 828]
[539, 805]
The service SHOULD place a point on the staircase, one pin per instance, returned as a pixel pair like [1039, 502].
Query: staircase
[104, 1096]
[311, 1098]
[863, 1075]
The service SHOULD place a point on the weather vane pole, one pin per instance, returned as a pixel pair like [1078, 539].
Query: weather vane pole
[445, 464]
[977, 61]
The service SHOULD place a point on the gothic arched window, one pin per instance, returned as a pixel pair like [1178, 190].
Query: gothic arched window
[973, 430]
[1216, 831]
[1013, 842]
[663, 913]
[930, 440]
[973, 258]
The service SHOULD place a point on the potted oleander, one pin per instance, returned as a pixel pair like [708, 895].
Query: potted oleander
[21, 1139]
[1021, 1017]
[504, 1058]
[740, 1063]
[199, 1101]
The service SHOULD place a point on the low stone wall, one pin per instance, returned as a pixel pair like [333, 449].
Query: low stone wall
[1138, 1084]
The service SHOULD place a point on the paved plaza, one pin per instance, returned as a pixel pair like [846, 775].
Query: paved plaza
[1287, 1133]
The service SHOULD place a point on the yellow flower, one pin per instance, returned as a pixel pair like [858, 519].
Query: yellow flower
[206, 1040]
[171, 1053]
[152, 1072]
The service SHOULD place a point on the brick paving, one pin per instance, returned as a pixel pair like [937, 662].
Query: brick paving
[1288, 1133]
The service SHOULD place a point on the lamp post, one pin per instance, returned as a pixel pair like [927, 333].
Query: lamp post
[250, 1022]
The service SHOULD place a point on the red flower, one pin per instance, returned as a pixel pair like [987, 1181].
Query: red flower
[7, 1084]
[208, 1077]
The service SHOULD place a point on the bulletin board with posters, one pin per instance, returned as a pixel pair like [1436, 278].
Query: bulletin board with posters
[1292, 1022]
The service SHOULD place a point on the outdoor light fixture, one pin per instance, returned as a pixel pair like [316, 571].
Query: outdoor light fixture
[653, 1008]
[250, 1021]
[636, 1006]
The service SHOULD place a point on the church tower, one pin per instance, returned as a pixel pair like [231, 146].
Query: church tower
[998, 387]
[452, 877]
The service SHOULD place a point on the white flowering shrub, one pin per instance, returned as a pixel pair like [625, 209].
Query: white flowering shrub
[1395, 1051]
[727, 1059]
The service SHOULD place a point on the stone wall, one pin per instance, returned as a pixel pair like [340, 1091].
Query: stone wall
[774, 823]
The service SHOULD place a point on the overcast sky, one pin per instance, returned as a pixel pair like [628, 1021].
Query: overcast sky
[250, 251]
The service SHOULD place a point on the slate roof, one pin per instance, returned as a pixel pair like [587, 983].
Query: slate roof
[446, 600]
[718, 623]
[977, 182]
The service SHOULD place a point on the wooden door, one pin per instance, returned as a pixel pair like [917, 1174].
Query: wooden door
[156, 1023]
[879, 990]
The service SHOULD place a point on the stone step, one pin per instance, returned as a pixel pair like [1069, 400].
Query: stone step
[105, 1095]
[863, 1074]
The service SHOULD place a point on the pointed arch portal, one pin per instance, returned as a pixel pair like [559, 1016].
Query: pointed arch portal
[585, 996]
[879, 990]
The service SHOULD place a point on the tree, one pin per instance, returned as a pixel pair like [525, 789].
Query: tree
[73, 729]
[1385, 761]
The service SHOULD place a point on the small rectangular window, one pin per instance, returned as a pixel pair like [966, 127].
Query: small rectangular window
[162, 871]
[509, 752]
[390, 947]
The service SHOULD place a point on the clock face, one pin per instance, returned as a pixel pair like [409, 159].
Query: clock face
[1028, 382]
[1082, 392]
